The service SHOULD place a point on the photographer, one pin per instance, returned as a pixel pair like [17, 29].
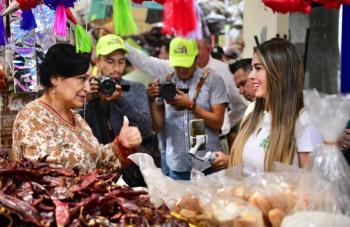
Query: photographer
[173, 116]
[116, 98]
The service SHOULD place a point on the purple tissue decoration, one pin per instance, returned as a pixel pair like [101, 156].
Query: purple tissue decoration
[28, 20]
[3, 34]
[52, 4]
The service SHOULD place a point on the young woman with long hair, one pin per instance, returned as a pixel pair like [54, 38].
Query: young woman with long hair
[279, 128]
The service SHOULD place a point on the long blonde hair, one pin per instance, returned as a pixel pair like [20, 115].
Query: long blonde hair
[284, 99]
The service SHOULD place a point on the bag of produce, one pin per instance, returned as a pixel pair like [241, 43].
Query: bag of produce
[323, 194]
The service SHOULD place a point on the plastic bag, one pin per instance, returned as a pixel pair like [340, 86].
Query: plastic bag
[158, 185]
[192, 201]
[330, 114]
[316, 219]
[273, 193]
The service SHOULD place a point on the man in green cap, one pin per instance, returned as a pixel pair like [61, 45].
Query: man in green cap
[201, 94]
[105, 112]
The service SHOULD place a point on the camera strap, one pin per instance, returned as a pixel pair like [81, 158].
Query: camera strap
[169, 77]
[200, 84]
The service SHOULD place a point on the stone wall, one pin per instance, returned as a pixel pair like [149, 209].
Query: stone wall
[7, 119]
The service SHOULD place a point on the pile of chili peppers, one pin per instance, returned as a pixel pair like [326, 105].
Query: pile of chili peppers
[35, 194]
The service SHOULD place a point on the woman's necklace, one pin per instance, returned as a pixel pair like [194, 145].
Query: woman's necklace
[72, 124]
[58, 114]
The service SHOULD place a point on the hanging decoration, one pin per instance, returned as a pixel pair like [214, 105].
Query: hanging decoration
[28, 4]
[62, 13]
[82, 40]
[286, 6]
[52, 4]
[60, 25]
[179, 17]
[141, 1]
[70, 16]
[28, 20]
[3, 34]
[124, 23]
[28, 49]
[291, 6]
[2, 5]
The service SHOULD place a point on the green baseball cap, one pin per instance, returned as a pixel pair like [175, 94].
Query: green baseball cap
[182, 52]
[109, 43]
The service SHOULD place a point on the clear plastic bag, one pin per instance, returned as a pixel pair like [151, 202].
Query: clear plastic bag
[273, 193]
[323, 193]
[316, 219]
[330, 114]
[196, 201]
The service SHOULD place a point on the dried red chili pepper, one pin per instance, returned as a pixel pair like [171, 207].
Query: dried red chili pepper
[33, 193]
[61, 212]
[24, 210]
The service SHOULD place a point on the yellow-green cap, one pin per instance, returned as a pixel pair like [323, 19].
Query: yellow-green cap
[109, 43]
[182, 52]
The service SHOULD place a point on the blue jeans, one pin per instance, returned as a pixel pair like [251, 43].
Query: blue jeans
[187, 175]
[163, 165]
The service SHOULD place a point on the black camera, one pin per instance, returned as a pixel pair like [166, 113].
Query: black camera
[107, 85]
[167, 90]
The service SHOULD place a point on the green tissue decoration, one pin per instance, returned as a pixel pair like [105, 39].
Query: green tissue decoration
[124, 23]
[82, 40]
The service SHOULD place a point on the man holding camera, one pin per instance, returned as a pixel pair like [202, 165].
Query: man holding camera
[200, 94]
[159, 68]
[116, 98]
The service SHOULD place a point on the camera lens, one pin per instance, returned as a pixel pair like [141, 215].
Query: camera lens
[107, 86]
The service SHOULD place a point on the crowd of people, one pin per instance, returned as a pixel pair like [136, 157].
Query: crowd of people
[252, 109]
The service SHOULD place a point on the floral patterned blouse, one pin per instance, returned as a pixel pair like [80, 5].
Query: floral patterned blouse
[39, 131]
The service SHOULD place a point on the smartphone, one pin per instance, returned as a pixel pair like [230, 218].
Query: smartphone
[197, 127]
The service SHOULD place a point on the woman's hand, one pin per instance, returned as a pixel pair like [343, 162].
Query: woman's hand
[343, 141]
[129, 136]
[221, 161]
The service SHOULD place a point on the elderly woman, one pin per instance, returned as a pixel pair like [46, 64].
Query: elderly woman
[49, 126]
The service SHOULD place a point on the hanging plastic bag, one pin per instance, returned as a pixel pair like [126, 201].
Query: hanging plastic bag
[324, 193]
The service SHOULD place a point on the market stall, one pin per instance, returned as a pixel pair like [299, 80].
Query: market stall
[36, 193]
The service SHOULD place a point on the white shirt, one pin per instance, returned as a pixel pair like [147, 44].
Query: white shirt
[160, 68]
[307, 140]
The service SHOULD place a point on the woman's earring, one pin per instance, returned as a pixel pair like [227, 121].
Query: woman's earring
[54, 86]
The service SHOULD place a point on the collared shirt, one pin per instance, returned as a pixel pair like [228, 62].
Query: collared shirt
[38, 131]
[177, 132]
[236, 100]
[160, 68]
